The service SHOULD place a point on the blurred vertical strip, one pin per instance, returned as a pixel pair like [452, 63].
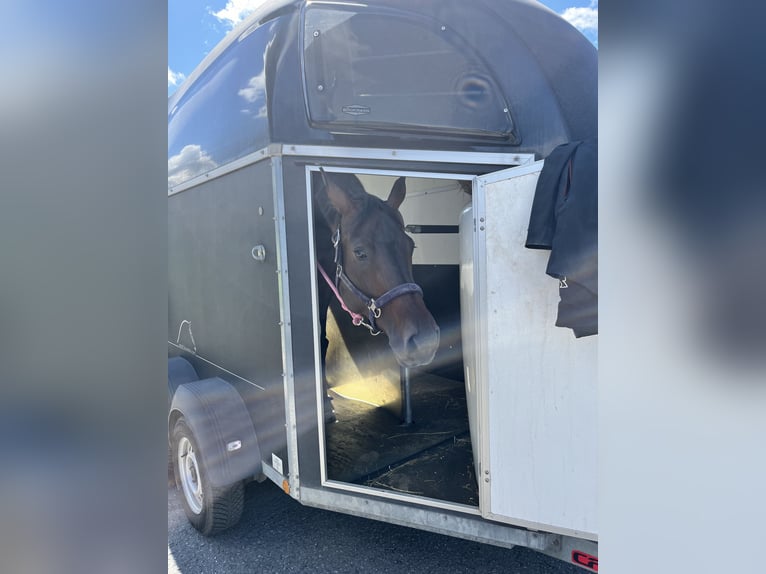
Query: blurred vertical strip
[682, 400]
[83, 289]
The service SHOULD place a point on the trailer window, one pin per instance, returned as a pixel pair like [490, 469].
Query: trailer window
[224, 115]
[391, 70]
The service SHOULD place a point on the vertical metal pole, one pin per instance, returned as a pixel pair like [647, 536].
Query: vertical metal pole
[404, 375]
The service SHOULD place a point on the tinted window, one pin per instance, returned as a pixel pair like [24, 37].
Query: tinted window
[389, 70]
[224, 115]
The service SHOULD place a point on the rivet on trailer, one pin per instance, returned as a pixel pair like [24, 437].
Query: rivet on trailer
[395, 148]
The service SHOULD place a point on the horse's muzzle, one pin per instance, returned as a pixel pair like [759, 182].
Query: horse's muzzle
[417, 346]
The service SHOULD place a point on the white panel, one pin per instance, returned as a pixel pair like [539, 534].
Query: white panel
[540, 382]
[429, 202]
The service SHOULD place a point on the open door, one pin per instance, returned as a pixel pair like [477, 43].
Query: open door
[531, 386]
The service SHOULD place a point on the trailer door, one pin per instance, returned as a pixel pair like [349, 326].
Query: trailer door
[531, 385]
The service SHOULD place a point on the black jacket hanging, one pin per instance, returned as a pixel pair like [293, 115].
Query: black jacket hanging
[564, 219]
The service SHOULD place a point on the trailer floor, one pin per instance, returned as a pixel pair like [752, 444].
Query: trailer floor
[432, 457]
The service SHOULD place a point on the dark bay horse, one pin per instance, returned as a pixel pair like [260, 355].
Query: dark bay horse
[364, 252]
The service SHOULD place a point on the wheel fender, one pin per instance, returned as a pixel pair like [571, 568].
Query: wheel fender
[217, 416]
[180, 371]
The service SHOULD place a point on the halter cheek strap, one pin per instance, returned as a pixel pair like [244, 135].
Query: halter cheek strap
[374, 306]
[356, 318]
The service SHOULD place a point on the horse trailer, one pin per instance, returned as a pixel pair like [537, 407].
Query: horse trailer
[471, 414]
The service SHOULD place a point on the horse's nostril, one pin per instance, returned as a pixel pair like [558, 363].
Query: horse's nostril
[411, 345]
[422, 341]
[416, 347]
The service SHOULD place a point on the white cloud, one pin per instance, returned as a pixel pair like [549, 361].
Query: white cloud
[190, 162]
[255, 91]
[236, 10]
[584, 18]
[174, 78]
[256, 87]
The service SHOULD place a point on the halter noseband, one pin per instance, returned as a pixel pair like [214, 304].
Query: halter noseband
[374, 306]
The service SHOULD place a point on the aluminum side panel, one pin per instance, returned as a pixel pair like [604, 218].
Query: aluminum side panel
[229, 299]
[539, 437]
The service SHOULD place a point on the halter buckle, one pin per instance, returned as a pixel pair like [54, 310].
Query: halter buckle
[374, 309]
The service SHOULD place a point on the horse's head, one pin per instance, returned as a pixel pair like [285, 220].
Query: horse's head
[376, 257]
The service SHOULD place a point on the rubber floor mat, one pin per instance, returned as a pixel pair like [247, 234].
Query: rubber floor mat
[431, 457]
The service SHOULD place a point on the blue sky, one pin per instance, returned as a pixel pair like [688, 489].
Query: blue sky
[196, 26]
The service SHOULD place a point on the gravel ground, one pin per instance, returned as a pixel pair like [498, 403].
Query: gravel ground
[279, 535]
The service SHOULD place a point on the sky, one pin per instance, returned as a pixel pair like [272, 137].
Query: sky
[196, 26]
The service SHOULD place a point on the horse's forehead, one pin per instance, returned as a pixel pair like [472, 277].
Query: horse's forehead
[379, 222]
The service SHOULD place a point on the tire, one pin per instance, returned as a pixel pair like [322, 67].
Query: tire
[209, 509]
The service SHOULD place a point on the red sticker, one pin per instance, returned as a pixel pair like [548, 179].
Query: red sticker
[587, 560]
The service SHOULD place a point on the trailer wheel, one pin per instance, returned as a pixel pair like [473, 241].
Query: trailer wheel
[209, 509]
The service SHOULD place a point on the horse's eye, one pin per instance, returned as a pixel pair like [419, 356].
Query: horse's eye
[361, 254]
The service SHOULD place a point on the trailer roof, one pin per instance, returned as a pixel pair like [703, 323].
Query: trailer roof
[489, 75]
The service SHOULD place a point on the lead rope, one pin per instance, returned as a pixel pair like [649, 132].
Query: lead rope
[356, 318]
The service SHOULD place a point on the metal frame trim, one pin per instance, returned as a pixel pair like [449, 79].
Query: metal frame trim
[409, 498]
[325, 481]
[319, 391]
[582, 535]
[480, 310]
[516, 171]
[314, 291]
[271, 473]
[396, 173]
[335, 152]
[463, 526]
[484, 158]
[288, 374]
[251, 158]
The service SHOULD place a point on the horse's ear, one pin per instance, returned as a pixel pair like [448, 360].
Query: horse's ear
[321, 202]
[340, 199]
[398, 193]
[333, 201]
